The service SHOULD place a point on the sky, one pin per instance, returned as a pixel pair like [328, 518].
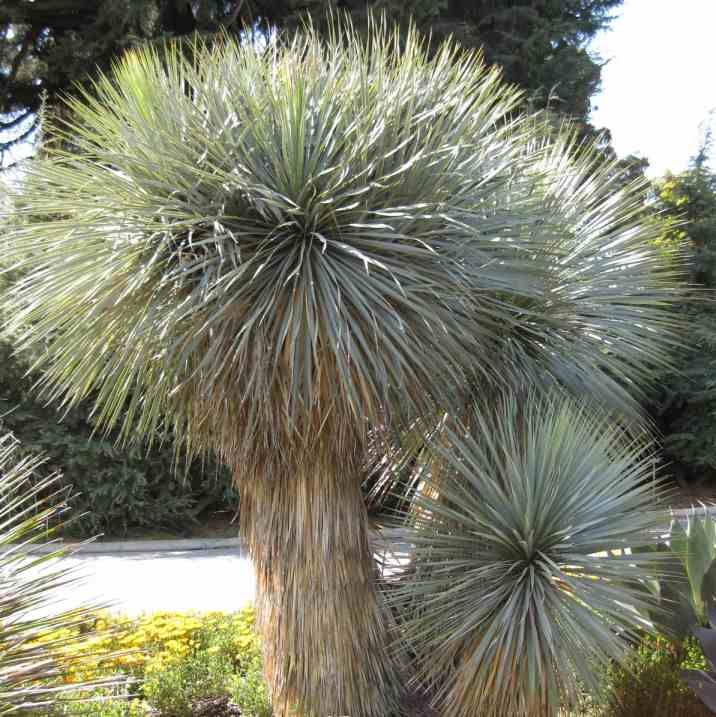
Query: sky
[659, 83]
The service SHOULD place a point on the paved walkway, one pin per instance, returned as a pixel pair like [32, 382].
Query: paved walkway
[136, 577]
[136, 582]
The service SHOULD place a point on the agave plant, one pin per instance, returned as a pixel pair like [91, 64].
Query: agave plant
[521, 587]
[277, 253]
[686, 587]
[35, 635]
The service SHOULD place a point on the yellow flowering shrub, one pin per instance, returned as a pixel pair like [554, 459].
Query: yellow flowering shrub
[162, 653]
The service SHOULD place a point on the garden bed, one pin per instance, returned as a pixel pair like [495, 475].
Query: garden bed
[209, 665]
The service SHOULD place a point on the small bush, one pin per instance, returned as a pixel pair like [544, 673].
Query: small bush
[175, 688]
[249, 691]
[649, 682]
[174, 663]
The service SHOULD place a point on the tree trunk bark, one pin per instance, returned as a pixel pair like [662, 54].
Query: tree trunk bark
[320, 616]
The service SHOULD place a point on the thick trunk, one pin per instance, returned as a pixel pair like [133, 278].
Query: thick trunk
[320, 616]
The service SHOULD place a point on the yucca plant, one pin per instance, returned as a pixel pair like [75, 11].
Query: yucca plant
[264, 249]
[521, 589]
[277, 253]
[588, 299]
[36, 633]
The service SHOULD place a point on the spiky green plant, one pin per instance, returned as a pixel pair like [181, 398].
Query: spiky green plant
[276, 252]
[686, 589]
[514, 600]
[587, 297]
[35, 632]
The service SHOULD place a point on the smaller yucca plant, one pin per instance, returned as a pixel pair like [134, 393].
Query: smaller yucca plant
[38, 639]
[521, 588]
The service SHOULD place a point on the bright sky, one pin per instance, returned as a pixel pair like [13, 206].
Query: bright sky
[659, 85]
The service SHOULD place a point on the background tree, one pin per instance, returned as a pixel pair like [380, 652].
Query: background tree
[540, 45]
[686, 413]
[46, 47]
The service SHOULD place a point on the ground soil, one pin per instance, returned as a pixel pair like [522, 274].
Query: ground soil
[688, 493]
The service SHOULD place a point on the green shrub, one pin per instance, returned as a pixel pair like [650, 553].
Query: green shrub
[176, 687]
[649, 682]
[248, 689]
[118, 489]
[174, 661]
[223, 660]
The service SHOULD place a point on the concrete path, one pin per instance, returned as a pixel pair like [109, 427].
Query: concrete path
[136, 582]
[148, 576]
[180, 575]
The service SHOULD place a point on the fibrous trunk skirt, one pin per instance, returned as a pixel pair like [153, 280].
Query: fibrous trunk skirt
[320, 615]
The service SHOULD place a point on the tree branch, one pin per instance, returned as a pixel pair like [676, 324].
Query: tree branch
[27, 42]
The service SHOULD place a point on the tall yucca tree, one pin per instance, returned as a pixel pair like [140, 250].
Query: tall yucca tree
[264, 249]
[275, 252]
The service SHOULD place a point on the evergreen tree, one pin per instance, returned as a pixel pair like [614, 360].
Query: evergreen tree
[686, 412]
[46, 47]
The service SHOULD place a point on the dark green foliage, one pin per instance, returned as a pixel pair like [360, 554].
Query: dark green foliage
[686, 412]
[46, 47]
[120, 489]
[650, 682]
[541, 45]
